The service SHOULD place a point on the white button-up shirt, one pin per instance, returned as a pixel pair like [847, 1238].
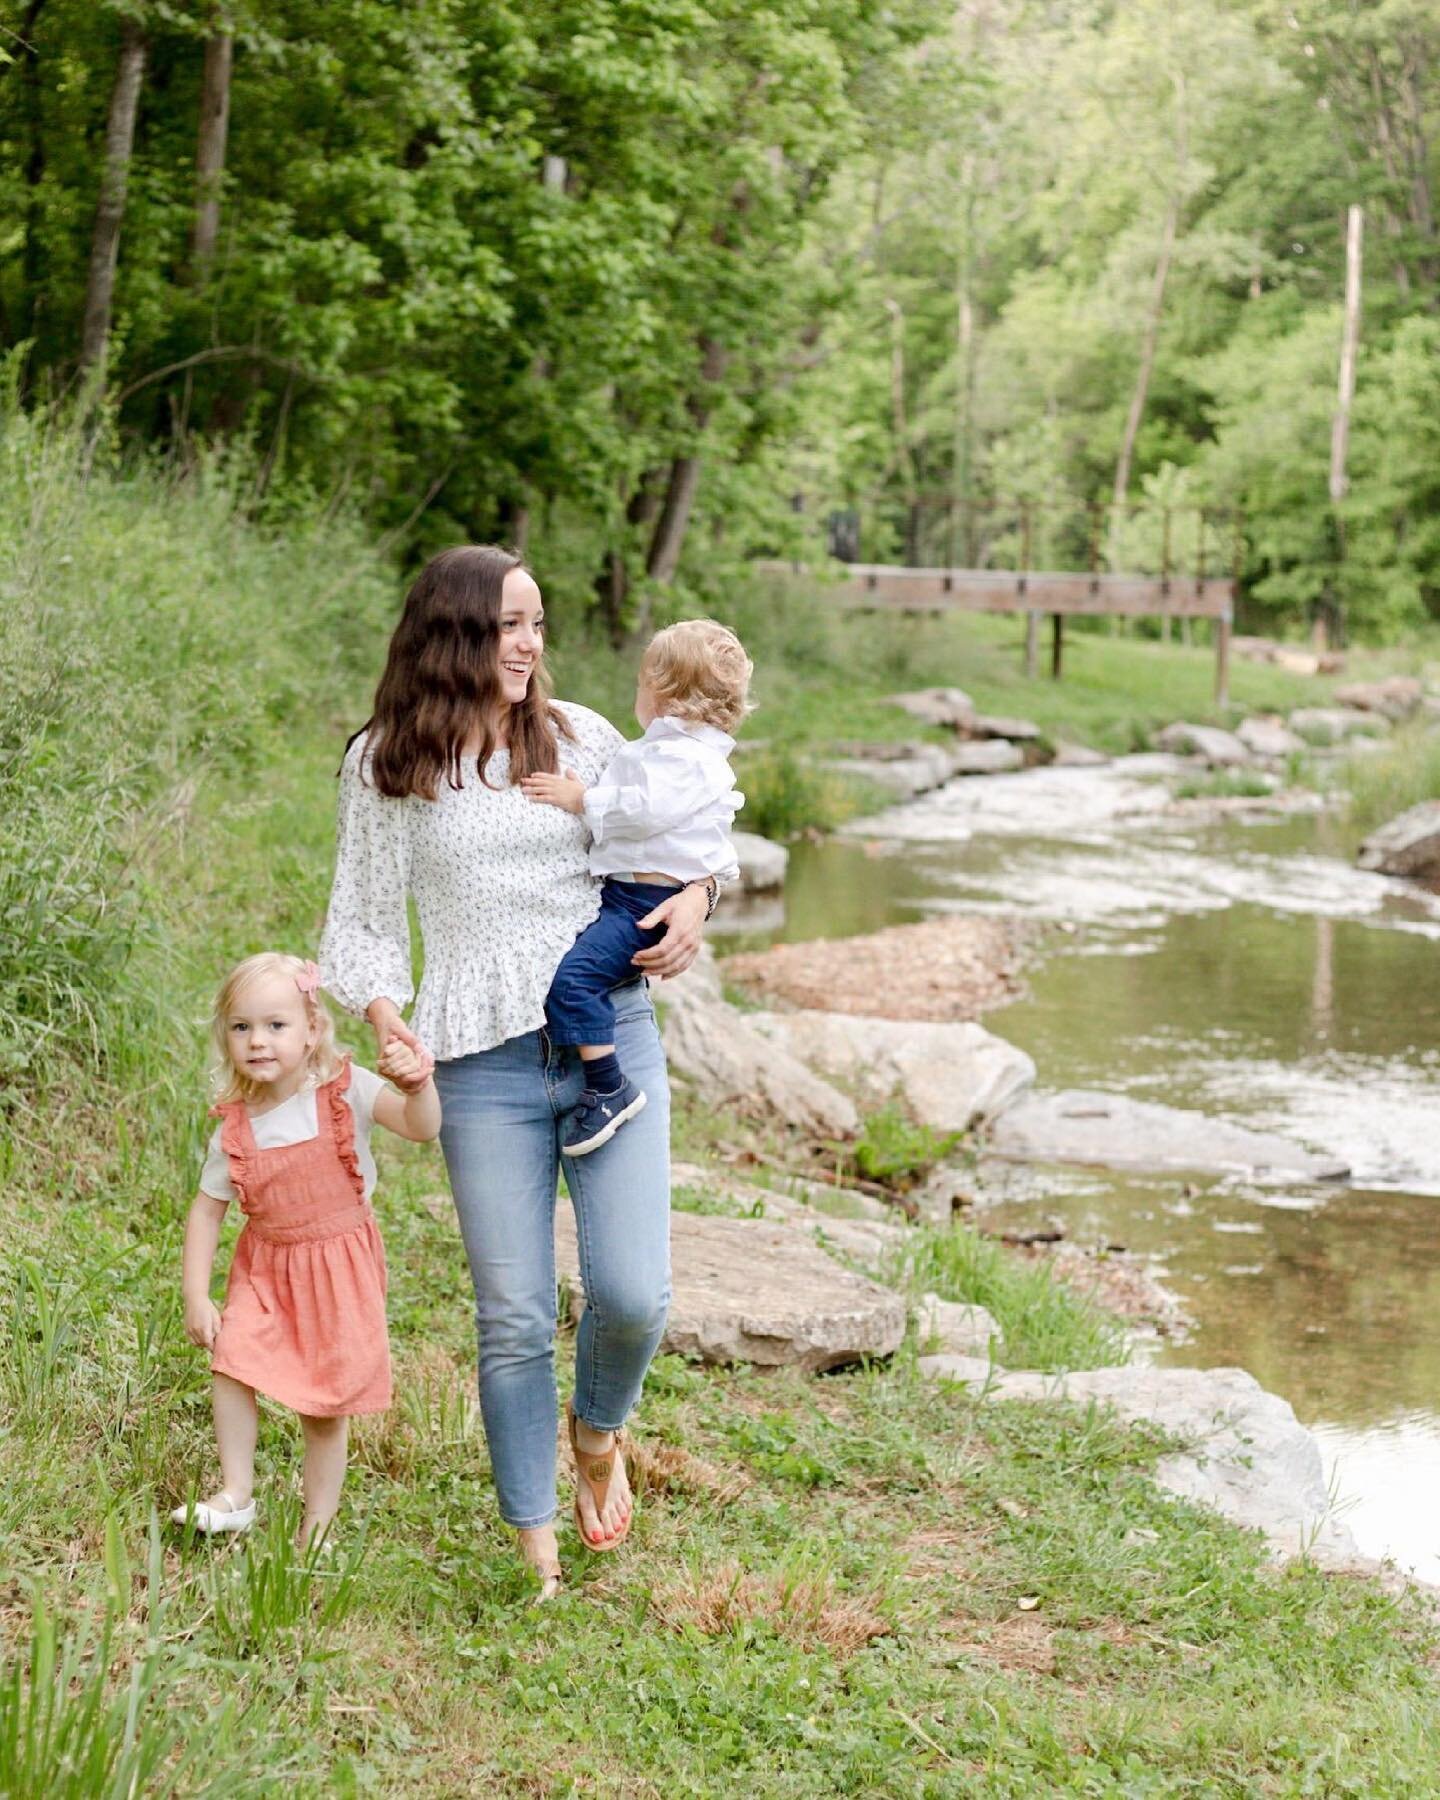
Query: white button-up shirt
[665, 805]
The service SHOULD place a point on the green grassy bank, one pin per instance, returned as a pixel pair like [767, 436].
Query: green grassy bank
[859, 1584]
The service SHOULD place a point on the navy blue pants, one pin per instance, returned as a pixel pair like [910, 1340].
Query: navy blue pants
[579, 1008]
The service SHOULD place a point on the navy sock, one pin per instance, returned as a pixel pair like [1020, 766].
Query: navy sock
[602, 1073]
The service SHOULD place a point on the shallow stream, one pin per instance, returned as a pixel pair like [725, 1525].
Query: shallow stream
[1243, 969]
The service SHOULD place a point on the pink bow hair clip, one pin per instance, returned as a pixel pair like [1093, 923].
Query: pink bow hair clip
[308, 980]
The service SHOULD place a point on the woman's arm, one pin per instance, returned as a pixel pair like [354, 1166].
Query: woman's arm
[682, 915]
[365, 948]
[197, 1261]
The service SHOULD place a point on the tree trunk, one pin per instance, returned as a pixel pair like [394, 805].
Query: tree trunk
[32, 262]
[210, 149]
[612, 584]
[669, 538]
[1349, 343]
[110, 213]
[1147, 350]
[900, 425]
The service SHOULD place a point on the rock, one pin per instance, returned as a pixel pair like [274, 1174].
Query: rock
[1247, 1456]
[701, 982]
[1017, 731]
[1113, 1131]
[987, 756]
[956, 1329]
[938, 706]
[1270, 737]
[1409, 845]
[748, 1290]
[1079, 756]
[835, 1218]
[732, 1064]
[948, 1189]
[762, 863]
[1333, 724]
[948, 1076]
[948, 968]
[1297, 662]
[1220, 749]
[1253, 649]
[1396, 697]
[922, 767]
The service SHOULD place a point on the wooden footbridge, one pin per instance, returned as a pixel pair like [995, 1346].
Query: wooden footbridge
[1036, 594]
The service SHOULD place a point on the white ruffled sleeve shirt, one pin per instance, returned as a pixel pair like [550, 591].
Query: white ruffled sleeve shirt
[502, 887]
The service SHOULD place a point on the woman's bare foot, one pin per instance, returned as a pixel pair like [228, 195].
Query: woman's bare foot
[541, 1550]
[606, 1525]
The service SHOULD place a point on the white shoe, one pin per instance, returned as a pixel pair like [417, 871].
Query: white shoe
[209, 1519]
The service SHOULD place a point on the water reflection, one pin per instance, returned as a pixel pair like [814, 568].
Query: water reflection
[1246, 971]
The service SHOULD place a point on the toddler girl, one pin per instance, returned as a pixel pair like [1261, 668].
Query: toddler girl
[304, 1314]
[660, 818]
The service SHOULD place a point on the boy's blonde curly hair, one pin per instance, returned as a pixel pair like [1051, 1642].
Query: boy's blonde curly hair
[698, 671]
[226, 1081]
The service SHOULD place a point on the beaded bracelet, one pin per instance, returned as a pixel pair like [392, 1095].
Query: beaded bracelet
[711, 885]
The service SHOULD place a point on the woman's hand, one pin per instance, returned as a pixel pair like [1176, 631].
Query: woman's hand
[682, 915]
[390, 1028]
[202, 1320]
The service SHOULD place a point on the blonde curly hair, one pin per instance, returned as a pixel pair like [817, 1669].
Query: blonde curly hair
[698, 671]
[323, 1063]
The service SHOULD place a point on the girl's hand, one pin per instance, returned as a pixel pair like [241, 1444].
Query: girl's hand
[682, 915]
[567, 790]
[408, 1067]
[202, 1321]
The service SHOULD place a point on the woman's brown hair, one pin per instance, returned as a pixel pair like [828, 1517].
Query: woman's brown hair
[442, 678]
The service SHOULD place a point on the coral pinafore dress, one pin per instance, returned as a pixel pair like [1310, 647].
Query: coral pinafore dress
[304, 1314]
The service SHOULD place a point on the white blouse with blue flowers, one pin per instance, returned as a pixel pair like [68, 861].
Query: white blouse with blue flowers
[502, 886]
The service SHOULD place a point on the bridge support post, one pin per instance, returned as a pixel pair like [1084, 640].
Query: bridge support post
[1222, 660]
[1057, 644]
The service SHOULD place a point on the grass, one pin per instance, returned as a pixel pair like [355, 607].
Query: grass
[1382, 783]
[860, 1584]
[1225, 785]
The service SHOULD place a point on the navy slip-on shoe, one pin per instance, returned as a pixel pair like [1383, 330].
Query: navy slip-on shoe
[599, 1116]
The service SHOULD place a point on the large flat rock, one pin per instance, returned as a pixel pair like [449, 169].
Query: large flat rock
[748, 1290]
[987, 756]
[716, 1046]
[1396, 697]
[1336, 724]
[1268, 736]
[938, 706]
[1408, 845]
[1220, 749]
[1246, 1454]
[1113, 1131]
[948, 968]
[948, 1076]
[762, 862]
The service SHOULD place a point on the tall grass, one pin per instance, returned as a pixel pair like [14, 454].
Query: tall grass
[1385, 782]
[156, 646]
[1043, 1324]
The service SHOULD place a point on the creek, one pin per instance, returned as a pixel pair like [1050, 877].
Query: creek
[1242, 967]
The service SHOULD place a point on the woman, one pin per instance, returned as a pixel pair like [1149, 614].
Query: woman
[431, 808]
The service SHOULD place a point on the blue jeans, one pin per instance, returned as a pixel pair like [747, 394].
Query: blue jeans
[578, 1009]
[503, 1115]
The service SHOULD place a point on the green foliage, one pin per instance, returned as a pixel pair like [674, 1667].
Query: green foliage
[892, 1148]
[1044, 1324]
[1244, 784]
[787, 793]
[1385, 782]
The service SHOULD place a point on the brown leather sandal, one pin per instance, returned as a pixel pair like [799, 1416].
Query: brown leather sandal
[597, 1469]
